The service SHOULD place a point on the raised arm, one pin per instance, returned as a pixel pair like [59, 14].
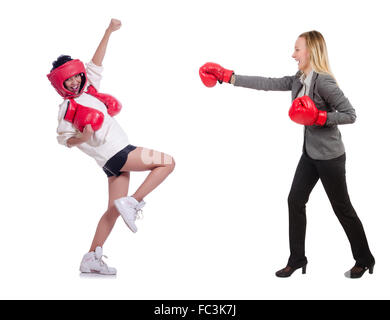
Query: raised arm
[101, 49]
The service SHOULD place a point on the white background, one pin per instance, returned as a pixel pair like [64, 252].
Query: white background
[217, 228]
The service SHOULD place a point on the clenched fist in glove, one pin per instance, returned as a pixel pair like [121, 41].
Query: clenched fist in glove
[211, 72]
[80, 116]
[304, 111]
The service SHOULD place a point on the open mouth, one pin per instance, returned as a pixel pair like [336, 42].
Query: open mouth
[75, 89]
[300, 63]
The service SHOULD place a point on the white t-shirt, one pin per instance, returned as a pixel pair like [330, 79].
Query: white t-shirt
[106, 141]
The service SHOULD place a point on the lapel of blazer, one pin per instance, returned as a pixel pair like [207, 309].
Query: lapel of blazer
[313, 80]
[297, 86]
[296, 90]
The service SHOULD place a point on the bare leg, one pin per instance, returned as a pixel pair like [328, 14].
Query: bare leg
[117, 188]
[142, 159]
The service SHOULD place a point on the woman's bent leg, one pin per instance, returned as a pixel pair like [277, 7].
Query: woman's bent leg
[142, 159]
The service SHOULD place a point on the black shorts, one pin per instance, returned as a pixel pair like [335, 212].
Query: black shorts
[114, 165]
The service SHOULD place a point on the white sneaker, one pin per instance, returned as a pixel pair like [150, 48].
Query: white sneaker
[93, 263]
[130, 210]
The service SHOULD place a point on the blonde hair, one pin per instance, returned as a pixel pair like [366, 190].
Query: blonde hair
[315, 42]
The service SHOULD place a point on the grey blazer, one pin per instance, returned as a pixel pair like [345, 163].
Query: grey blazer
[320, 142]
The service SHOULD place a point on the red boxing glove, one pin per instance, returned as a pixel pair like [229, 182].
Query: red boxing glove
[112, 104]
[80, 116]
[304, 111]
[211, 72]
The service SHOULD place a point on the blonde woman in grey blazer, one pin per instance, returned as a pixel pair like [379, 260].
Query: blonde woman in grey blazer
[323, 156]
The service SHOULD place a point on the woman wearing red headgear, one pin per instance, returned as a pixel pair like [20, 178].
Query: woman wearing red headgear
[86, 120]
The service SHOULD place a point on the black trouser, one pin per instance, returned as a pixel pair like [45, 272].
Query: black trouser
[332, 175]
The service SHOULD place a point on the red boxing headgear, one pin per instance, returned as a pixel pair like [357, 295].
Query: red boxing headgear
[59, 75]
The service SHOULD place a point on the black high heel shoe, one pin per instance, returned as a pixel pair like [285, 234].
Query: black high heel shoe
[288, 271]
[357, 271]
